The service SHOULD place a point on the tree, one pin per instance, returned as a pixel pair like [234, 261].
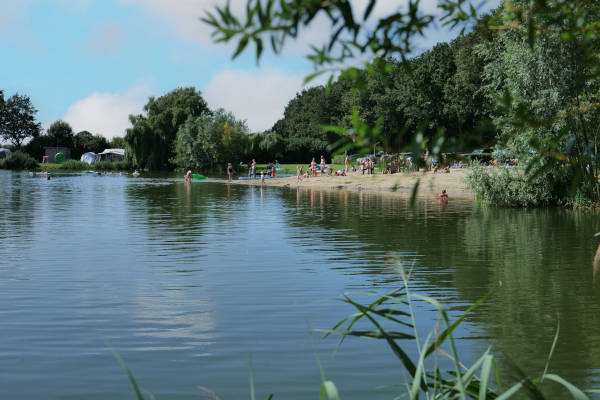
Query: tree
[17, 119]
[302, 125]
[553, 112]
[149, 142]
[117, 143]
[210, 141]
[84, 142]
[60, 133]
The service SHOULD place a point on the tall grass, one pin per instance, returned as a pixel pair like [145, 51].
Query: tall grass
[75, 165]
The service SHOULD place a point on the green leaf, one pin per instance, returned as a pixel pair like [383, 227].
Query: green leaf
[448, 331]
[136, 388]
[241, 46]
[575, 392]
[486, 370]
[330, 390]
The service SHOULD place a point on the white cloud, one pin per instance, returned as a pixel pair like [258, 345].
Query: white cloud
[106, 39]
[107, 114]
[183, 18]
[258, 97]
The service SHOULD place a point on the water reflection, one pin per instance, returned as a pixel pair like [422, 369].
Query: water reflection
[460, 252]
[169, 272]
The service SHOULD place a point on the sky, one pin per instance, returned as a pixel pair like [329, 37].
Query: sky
[92, 63]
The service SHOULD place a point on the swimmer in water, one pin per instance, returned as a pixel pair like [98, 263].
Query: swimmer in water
[188, 177]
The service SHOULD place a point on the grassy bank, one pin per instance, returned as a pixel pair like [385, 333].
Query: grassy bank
[74, 165]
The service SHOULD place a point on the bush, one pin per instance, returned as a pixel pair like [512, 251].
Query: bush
[112, 166]
[74, 165]
[19, 161]
[510, 188]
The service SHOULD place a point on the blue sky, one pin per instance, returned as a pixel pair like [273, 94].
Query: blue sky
[94, 62]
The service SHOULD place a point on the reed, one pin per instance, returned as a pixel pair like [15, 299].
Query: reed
[391, 318]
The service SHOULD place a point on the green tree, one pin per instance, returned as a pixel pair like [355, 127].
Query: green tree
[84, 142]
[117, 143]
[60, 133]
[149, 142]
[17, 119]
[302, 125]
[210, 141]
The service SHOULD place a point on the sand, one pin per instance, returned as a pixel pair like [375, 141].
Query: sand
[430, 183]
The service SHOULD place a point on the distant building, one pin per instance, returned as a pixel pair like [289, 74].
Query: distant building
[50, 152]
[112, 155]
[4, 153]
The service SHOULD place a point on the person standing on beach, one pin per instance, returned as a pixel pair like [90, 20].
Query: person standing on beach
[230, 171]
[313, 166]
[253, 168]
[346, 163]
[322, 164]
[299, 173]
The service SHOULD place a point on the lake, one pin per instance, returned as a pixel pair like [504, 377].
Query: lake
[197, 285]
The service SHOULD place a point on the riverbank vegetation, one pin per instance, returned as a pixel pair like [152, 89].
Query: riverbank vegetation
[525, 79]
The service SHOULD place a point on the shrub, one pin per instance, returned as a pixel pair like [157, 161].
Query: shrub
[19, 161]
[511, 188]
[112, 166]
[74, 165]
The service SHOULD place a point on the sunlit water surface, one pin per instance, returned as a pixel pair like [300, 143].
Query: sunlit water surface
[189, 282]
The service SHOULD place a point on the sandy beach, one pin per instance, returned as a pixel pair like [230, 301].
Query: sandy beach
[430, 183]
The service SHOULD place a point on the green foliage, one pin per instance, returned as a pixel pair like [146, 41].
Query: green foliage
[84, 142]
[302, 127]
[60, 133]
[149, 142]
[17, 119]
[529, 71]
[116, 143]
[210, 141]
[112, 166]
[511, 188]
[74, 165]
[18, 161]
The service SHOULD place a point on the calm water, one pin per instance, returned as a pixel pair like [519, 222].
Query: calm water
[186, 282]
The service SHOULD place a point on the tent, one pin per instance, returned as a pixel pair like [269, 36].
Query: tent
[89, 157]
[4, 153]
[112, 155]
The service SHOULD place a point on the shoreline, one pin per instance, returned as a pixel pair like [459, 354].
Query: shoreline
[430, 183]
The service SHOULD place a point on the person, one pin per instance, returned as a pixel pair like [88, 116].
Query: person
[253, 168]
[262, 177]
[443, 196]
[230, 171]
[188, 176]
[346, 163]
[313, 166]
[322, 164]
[135, 173]
[299, 173]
